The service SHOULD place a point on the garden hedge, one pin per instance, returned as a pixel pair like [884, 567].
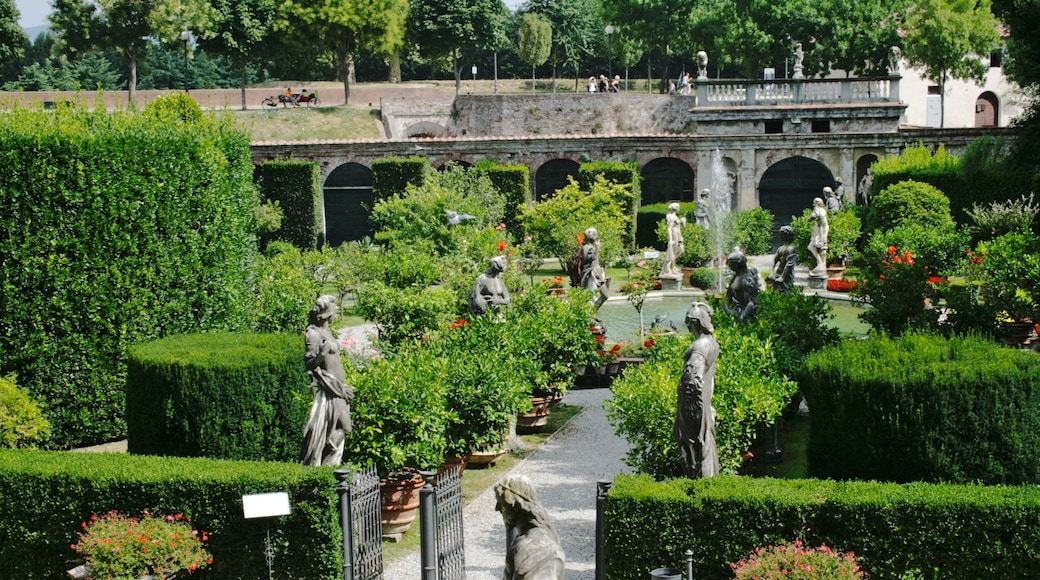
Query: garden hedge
[48, 494]
[620, 172]
[962, 531]
[120, 227]
[218, 395]
[391, 175]
[295, 185]
[924, 408]
[514, 183]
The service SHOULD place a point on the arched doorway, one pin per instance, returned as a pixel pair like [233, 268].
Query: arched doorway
[987, 110]
[863, 182]
[667, 179]
[552, 176]
[348, 202]
[788, 187]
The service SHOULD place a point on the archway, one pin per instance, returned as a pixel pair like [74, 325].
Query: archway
[552, 176]
[788, 187]
[667, 179]
[348, 201]
[987, 110]
[425, 129]
[863, 183]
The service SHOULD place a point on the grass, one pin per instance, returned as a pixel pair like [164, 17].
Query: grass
[307, 123]
[476, 481]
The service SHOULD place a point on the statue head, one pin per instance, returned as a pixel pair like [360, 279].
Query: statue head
[737, 261]
[817, 202]
[787, 234]
[700, 313]
[839, 180]
[498, 263]
[702, 58]
[705, 193]
[828, 192]
[673, 207]
[324, 310]
[591, 235]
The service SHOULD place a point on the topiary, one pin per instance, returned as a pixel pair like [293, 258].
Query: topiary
[174, 106]
[908, 201]
[21, 421]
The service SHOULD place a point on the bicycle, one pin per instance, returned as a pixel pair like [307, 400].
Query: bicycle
[271, 103]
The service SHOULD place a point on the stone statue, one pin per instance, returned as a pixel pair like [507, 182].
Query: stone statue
[533, 549]
[702, 65]
[818, 238]
[798, 56]
[676, 246]
[742, 293]
[695, 417]
[329, 420]
[863, 189]
[593, 277]
[833, 202]
[894, 54]
[785, 261]
[701, 213]
[489, 289]
[841, 194]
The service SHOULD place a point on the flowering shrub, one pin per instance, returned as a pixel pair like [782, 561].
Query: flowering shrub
[841, 285]
[899, 294]
[554, 282]
[795, 561]
[610, 355]
[117, 546]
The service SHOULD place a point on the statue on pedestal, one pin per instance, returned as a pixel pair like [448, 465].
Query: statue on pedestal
[702, 211]
[695, 417]
[676, 246]
[818, 238]
[489, 289]
[329, 422]
[593, 276]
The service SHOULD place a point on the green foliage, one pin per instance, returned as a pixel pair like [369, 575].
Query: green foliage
[908, 201]
[1011, 273]
[21, 422]
[48, 495]
[625, 174]
[704, 278]
[897, 291]
[796, 324]
[999, 218]
[121, 546]
[842, 237]
[294, 186]
[892, 529]
[173, 108]
[924, 408]
[392, 175]
[535, 40]
[122, 250]
[283, 291]
[940, 247]
[402, 315]
[751, 229]
[797, 562]
[217, 395]
[513, 183]
[749, 391]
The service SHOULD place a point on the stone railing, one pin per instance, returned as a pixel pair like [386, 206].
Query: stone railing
[725, 93]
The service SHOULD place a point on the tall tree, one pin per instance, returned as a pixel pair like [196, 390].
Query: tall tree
[1022, 18]
[452, 28]
[347, 26]
[654, 22]
[577, 32]
[12, 38]
[946, 38]
[858, 34]
[535, 39]
[242, 30]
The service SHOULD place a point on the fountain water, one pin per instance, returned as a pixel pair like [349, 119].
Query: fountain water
[721, 193]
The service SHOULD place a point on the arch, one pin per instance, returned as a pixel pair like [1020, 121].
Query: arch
[425, 129]
[348, 200]
[862, 165]
[456, 162]
[667, 179]
[987, 110]
[788, 187]
[553, 176]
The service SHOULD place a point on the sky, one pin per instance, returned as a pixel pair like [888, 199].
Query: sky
[33, 12]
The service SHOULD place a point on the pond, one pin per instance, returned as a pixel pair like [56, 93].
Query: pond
[622, 320]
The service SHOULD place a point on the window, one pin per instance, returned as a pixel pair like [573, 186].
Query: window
[934, 90]
[774, 126]
[821, 126]
[995, 58]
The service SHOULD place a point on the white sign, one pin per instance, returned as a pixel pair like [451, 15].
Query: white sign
[265, 505]
[651, 255]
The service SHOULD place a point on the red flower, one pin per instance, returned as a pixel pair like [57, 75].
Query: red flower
[458, 324]
[501, 245]
[648, 343]
[600, 338]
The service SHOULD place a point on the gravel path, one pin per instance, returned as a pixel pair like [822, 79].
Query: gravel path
[564, 470]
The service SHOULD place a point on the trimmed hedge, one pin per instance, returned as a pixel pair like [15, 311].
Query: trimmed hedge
[218, 395]
[295, 186]
[514, 183]
[624, 173]
[47, 495]
[964, 531]
[121, 227]
[924, 408]
[391, 175]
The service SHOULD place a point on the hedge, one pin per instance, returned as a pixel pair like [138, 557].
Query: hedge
[924, 408]
[963, 531]
[295, 186]
[47, 494]
[391, 175]
[514, 183]
[121, 227]
[218, 395]
[620, 172]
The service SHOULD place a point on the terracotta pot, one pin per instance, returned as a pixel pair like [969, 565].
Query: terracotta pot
[537, 417]
[835, 272]
[452, 460]
[400, 504]
[485, 458]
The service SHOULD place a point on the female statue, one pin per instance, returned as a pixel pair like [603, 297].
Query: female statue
[784, 262]
[329, 421]
[593, 277]
[676, 247]
[742, 293]
[695, 417]
[533, 549]
[489, 289]
[818, 239]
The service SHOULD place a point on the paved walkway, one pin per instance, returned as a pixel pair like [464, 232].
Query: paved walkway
[564, 470]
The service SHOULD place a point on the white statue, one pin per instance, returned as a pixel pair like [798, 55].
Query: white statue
[701, 213]
[702, 65]
[676, 246]
[818, 239]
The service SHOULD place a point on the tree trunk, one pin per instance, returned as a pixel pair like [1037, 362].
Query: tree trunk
[457, 65]
[131, 54]
[395, 67]
[245, 79]
[532, 79]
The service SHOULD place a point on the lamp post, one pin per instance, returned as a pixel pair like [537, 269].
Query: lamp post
[186, 37]
[610, 57]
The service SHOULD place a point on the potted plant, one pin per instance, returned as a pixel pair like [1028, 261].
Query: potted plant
[146, 546]
[1010, 275]
[641, 282]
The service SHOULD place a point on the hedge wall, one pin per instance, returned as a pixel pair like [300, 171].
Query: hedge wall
[295, 185]
[218, 395]
[963, 531]
[119, 227]
[514, 183]
[621, 172]
[924, 408]
[47, 494]
[391, 175]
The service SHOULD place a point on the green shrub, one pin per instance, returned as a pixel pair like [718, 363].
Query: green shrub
[998, 218]
[796, 325]
[984, 532]
[295, 187]
[174, 107]
[751, 230]
[392, 175]
[623, 173]
[704, 278]
[698, 245]
[21, 422]
[404, 314]
[1011, 273]
[218, 395]
[908, 202]
[106, 250]
[283, 293]
[940, 247]
[924, 408]
[513, 182]
[49, 495]
[748, 392]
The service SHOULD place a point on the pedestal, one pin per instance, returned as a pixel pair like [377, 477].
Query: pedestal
[817, 282]
[670, 281]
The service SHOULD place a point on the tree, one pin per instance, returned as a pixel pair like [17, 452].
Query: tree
[347, 26]
[242, 31]
[450, 28]
[577, 29]
[12, 38]
[946, 38]
[654, 22]
[627, 50]
[535, 42]
[859, 34]
[1022, 65]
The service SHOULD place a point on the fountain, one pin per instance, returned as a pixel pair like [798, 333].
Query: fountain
[721, 193]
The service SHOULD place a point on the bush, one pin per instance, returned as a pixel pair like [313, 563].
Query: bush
[908, 202]
[625, 174]
[402, 315]
[120, 546]
[295, 187]
[21, 422]
[898, 294]
[842, 237]
[796, 325]
[797, 562]
[924, 408]
[513, 182]
[999, 218]
[940, 247]
[284, 293]
[392, 175]
[174, 107]
[751, 229]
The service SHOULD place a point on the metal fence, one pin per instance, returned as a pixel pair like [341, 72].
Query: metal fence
[451, 553]
[362, 530]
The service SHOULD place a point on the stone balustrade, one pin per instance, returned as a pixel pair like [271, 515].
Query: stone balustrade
[728, 93]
